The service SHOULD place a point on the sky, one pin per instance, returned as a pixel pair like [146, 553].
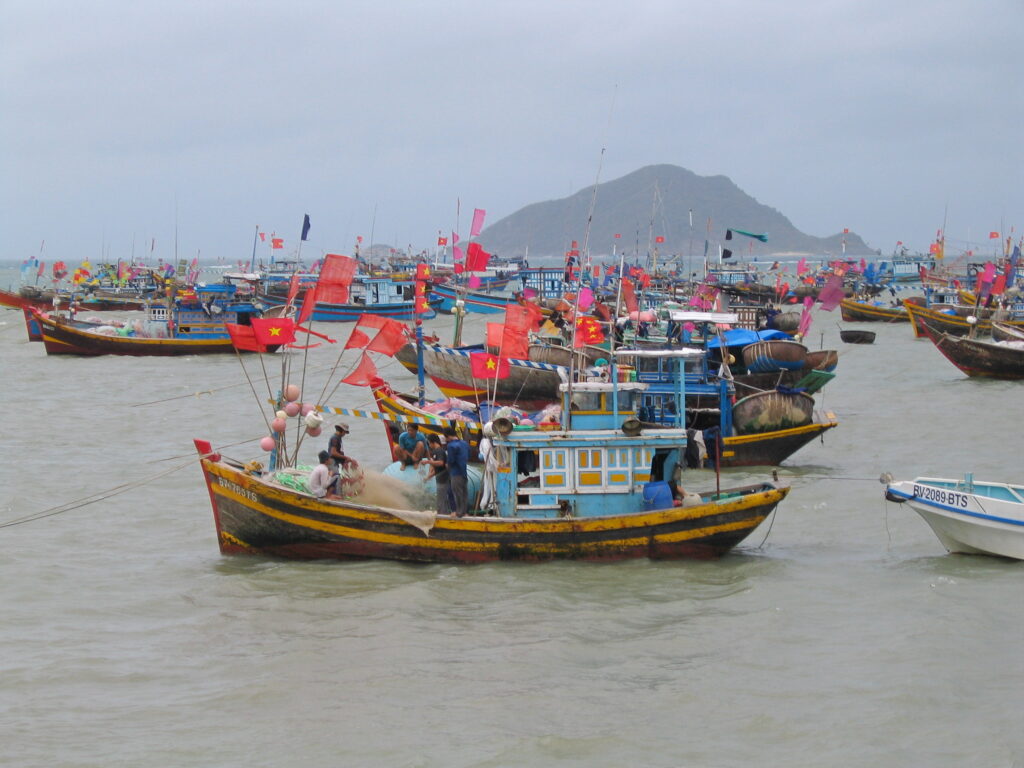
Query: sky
[181, 128]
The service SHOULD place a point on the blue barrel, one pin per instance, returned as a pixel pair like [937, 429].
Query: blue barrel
[657, 495]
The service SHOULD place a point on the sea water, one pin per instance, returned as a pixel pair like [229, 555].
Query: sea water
[839, 634]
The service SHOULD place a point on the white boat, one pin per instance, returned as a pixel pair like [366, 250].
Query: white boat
[969, 516]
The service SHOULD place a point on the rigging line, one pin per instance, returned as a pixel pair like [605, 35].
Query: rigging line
[95, 497]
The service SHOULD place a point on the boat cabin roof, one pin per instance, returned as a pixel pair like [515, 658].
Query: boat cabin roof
[690, 316]
[686, 353]
[604, 386]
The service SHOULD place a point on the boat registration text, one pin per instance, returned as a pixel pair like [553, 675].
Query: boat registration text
[941, 495]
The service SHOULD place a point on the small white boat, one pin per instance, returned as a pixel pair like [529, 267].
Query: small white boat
[974, 517]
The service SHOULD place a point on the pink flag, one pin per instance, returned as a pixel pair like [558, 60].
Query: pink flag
[801, 266]
[832, 293]
[457, 254]
[473, 282]
[478, 222]
[586, 298]
[805, 318]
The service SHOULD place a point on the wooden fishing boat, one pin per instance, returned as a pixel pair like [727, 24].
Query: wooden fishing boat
[774, 355]
[189, 326]
[529, 385]
[30, 296]
[956, 321]
[976, 358]
[599, 488]
[487, 302]
[854, 311]
[370, 296]
[968, 516]
[855, 336]
[1005, 332]
[35, 331]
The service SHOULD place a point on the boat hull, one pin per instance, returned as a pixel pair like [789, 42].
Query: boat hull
[854, 311]
[62, 339]
[964, 520]
[774, 355]
[477, 302]
[255, 517]
[980, 359]
[348, 313]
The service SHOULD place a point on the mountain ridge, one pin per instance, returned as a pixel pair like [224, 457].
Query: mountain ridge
[656, 201]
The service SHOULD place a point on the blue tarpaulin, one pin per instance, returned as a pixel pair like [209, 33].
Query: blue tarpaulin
[739, 337]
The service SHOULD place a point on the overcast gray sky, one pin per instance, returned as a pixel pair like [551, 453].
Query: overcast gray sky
[125, 121]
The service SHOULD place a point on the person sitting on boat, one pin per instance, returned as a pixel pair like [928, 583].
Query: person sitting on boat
[336, 447]
[322, 482]
[438, 462]
[411, 446]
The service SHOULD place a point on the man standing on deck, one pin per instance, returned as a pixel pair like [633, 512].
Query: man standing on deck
[457, 453]
[336, 447]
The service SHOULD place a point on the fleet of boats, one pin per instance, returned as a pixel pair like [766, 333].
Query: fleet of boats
[587, 440]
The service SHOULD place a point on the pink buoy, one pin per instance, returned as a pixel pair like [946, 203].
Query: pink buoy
[279, 425]
[267, 443]
[307, 408]
[634, 315]
[313, 431]
[292, 409]
[291, 392]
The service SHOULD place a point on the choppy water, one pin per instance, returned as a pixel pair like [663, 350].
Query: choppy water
[840, 634]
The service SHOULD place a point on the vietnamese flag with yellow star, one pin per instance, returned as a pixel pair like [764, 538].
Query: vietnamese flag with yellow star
[273, 330]
[484, 365]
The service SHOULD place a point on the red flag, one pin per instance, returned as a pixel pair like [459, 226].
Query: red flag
[277, 242]
[243, 338]
[336, 275]
[617, 236]
[308, 303]
[357, 339]
[629, 296]
[364, 374]
[659, 239]
[263, 238]
[514, 339]
[476, 258]
[588, 331]
[389, 339]
[933, 248]
[993, 235]
[494, 334]
[42, 269]
[273, 330]
[422, 271]
[293, 288]
[420, 303]
[484, 365]
[442, 241]
[311, 332]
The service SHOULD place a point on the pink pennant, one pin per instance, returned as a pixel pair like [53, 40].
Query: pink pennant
[586, 298]
[478, 222]
[473, 282]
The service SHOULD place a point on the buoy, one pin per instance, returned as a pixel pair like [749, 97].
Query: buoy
[279, 425]
[307, 408]
[313, 431]
[291, 393]
[292, 409]
[267, 443]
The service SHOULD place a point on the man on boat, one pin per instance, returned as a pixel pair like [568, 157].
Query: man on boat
[336, 447]
[411, 446]
[457, 456]
[322, 483]
[438, 462]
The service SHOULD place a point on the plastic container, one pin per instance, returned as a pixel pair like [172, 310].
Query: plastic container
[657, 495]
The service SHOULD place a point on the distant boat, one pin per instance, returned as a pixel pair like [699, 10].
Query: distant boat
[381, 296]
[854, 311]
[855, 336]
[968, 516]
[977, 358]
[190, 326]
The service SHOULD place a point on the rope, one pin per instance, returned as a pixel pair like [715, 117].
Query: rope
[98, 496]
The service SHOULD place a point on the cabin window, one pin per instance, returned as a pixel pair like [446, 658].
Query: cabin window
[586, 401]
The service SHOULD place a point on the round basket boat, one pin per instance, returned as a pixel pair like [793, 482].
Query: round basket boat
[822, 360]
[771, 411]
[774, 355]
[857, 337]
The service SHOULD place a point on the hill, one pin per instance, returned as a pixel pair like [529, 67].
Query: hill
[652, 202]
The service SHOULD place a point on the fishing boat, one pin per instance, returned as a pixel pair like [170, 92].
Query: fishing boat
[35, 330]
[191, 325]
[977, 358]
[856, 336]
[968, 516]
[772, 410]
[856, 311]
[485, 302]
[1005, 332]
[599, 487]
[381, 296]
[31, 296]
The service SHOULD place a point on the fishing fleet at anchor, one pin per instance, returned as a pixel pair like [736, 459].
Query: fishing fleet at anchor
[597, 416]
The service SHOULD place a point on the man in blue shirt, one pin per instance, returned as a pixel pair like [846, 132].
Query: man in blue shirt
[411, 446]
[457, 452]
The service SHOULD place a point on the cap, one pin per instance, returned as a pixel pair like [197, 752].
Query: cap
[342, 425]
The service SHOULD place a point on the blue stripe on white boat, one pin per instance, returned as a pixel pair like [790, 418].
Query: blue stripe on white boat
[957, 510]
